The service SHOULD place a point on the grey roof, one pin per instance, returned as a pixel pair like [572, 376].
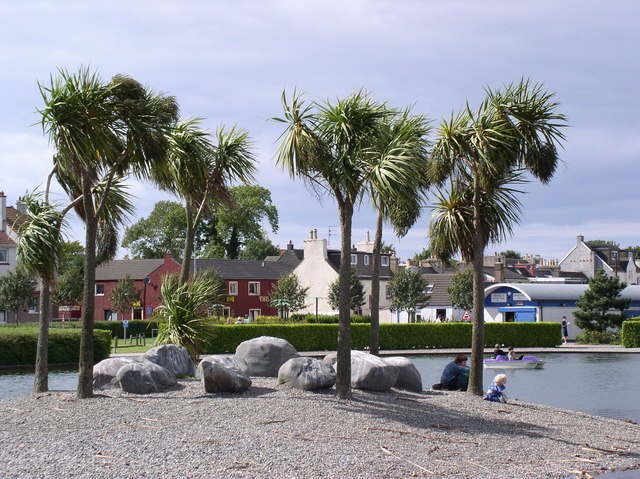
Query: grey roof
[240, 269]
[441, 282]
[559, 292]
[135, 268]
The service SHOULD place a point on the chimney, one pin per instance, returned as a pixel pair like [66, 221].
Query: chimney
[21, 206]
[394, 263]
[580, 239]
[290, 246]
[499, 272]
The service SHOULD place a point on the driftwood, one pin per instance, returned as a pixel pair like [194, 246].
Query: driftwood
[419, 435]
[387, 451]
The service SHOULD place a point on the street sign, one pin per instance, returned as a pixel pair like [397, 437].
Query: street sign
[149, 310]
[466, 316]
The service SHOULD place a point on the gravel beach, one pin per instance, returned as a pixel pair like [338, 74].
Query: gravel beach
[276, 432]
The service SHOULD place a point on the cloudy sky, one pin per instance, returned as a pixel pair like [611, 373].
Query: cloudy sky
[229, 61]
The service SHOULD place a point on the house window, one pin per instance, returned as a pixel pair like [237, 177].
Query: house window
[354, 259]
[3, 316]
[99, 289]
[366, 260]
[254, 288]
[233, 288]
[384, 260]
[4, 255]
[388, 292]
[33, 304]
[429, 288]
[253, 314]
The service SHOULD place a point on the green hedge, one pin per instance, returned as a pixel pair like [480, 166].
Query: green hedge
[310, 319]
[323, 337]
[136, 326]
[631, 333]
[18, 346]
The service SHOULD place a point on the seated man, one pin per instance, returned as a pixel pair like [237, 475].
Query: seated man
[498, 352]
[455, 376]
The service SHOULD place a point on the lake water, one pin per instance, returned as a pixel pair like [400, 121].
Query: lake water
[600, 384]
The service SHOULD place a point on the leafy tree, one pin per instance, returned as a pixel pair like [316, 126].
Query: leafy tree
[101, 132]
[332, 146]
[124, 295]
[598, 302]
[288, 294]
[200, 172]
[68, 287]
[424, 254]
[511, 254]
[162, 232]
[258, 249]
[593, 243]
[184, 309]
[16, 290]
[461, 289]
[636, 251]
[236, 228]
[481, 154]
[356, 289]
[408, 290]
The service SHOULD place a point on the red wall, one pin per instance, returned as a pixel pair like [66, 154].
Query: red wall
[243, 302]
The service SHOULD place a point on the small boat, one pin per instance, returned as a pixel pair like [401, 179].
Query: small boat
[502, 362]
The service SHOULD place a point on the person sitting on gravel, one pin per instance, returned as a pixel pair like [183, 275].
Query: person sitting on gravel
[495, 392]
[455, 376]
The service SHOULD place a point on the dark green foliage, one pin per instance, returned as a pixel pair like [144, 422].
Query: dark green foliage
[258, 249]
[598, 337]
[137, 326]
[598, 302]
[511, 254]
[18, 346]
[357, 292]
[288, 294]
[69, 285]
[16, 290]
[323, 337]
[310, 319]
[408, 289]
[461, 289]
[124, 295]
[631, 333]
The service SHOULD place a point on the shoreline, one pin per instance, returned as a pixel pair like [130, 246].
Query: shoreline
[273, 431]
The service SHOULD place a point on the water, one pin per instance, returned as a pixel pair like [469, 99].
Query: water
[600, 384]
[19, 383]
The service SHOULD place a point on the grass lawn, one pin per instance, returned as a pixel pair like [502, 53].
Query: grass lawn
[125, 347]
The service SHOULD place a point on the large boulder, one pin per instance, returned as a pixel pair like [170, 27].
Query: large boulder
[105, 372]
[145, 377]
[368, 371]
[172, 357]
[307, 374]
[408, 376]
[265, 355]
[223, 374]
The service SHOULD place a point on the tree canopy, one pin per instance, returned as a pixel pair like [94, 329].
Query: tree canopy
[409, 291]
[598, 303]
[461, 289]
[356, 288]
[161, 232]
[124, 295]
[288, 294]
[16, 290]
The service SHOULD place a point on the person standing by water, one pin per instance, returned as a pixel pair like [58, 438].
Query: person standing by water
[565, 330]
[455, 376]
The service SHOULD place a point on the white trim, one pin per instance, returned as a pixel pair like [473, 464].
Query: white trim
[257, 293]
[96, 289]
[234, 283]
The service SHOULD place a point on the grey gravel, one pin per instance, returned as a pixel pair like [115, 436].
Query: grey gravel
[272, 431]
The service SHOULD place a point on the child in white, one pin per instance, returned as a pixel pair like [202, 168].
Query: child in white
[495, 392]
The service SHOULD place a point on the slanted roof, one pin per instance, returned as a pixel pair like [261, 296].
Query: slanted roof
[242, 269]
[136, 268]
[441, 283]
[15, 219]
[5, 240]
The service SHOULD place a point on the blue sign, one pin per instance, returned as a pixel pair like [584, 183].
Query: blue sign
[125, 323]
[149, 310]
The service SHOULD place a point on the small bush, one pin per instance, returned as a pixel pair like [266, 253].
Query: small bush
[18, 346]
[598, 337]
[631, 333]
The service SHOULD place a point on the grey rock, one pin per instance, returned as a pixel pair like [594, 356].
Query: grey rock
[145, 377]
[408, 375]
[265, 355]
[307, 374]
[172, 357]
[368, 371]
[223, 374]
[105, 372]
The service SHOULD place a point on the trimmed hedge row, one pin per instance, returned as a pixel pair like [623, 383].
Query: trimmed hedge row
[631, 333]
[323, 337]
[18, 346]
[310, 319]
[136, 326]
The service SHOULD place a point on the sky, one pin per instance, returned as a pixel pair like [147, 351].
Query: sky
[229, 62]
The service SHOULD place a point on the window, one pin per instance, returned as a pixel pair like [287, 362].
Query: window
[4, 255]
[254, 288]
[99, 289]
[354, 259]
[3, 316]
[233, 288]
[388, 292]
[429, 288]
[366, 260]
[33, 304]
[384, 260]
[253, 314]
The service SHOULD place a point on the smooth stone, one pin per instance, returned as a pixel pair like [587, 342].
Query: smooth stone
[265, 355]
[105, 372]
[145, 377]
[408, 375]
[172, 357]
[307, 374]
[223, 374]
[368, 371]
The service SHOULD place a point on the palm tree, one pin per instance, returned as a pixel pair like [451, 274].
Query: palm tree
[405, 135]
[514, 131]
[201, 173]
[101, 132]
[329, 145]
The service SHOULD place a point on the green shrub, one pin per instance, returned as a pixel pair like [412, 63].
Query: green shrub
[326, 318]
[18, 346]
[323, 337]
[136, 326]
[631, 333]
[598, 337]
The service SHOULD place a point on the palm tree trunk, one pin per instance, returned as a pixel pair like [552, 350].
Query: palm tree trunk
[374, 334]
[343, 371]
[477, 339]
[85, 377]
[188, 246]
[41, 382]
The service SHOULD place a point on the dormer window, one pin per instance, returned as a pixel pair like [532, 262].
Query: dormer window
[366, 260]
[354, 259]
[384, 260]
[429, 288]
